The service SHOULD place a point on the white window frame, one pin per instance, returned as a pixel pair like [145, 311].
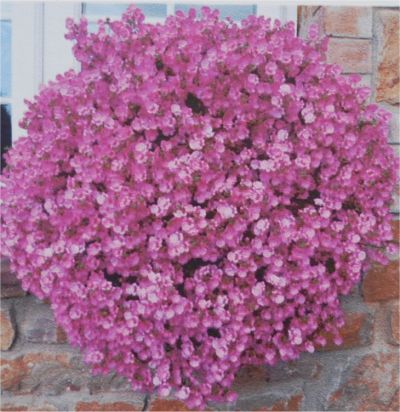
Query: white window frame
[7, 17]
[40, 51]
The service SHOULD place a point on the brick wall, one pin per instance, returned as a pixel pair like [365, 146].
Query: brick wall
[40, 371]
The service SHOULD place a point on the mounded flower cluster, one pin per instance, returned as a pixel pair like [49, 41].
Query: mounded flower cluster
[197, 197]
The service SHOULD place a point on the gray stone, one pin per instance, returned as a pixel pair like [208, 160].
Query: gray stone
[38, 324]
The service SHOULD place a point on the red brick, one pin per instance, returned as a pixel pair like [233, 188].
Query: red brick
[357, 331]
[168, 405]
[353, 55]
[348, 21]
[7, 329]
[394, 325]
[396, 230]
[105, 407]
[381, 282]
[370, 384]
[388, 82]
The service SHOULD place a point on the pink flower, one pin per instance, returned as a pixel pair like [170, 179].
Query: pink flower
[196, 198]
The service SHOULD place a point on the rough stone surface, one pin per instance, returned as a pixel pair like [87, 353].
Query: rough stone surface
[10, 285]
[38, 325]
[52, 378]
[387, 30]
[106, 407]
[382, 282]
[108, 383]
[371, 384]
[307, 367]
[42, 408]
[250, 379]
[61, 336]
[20, 374]
[353, 55]
[7, 329]
[394, 325]
[348, 21]
[357, 331]
[272, 403]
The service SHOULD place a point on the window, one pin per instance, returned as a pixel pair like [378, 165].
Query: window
[5, 87]
[34, 50]
[157, 11]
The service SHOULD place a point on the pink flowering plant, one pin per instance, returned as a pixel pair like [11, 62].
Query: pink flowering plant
[197, 197]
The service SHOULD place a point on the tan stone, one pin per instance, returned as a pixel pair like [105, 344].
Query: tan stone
[348, 21]
[7, 329]
[388, 83]
[308, 15]
[353, 55]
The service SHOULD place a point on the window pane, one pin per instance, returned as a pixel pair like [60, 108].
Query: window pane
[5, 58]
[5, 9]
[116, 9]
[92, 27]
[5, 130]
[237, 12]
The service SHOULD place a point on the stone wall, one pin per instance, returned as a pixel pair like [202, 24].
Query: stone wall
[40, 371]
